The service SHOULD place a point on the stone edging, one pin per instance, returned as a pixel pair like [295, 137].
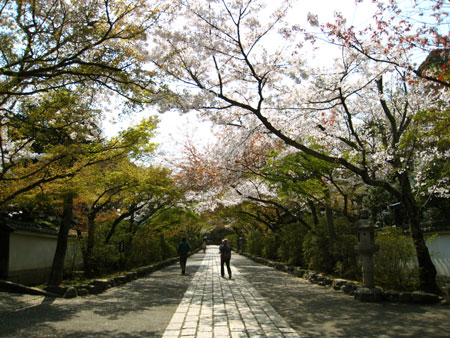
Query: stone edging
[95, 287]
[98, 286]
[352, 288]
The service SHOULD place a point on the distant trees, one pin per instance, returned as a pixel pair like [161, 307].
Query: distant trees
[60, 64]
[356, 114]
[297, 138]
[116, 193]
[58, 60]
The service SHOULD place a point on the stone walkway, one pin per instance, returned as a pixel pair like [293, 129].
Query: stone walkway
[201, 304]
[220, 307]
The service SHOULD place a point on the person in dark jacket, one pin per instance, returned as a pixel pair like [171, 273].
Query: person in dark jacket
[183, 251]
[225, 257]
[204, 246]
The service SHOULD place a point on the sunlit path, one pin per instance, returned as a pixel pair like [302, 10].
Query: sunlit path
[201, 304]
[218, 307]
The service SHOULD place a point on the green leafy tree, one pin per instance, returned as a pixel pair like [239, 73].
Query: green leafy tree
[291, 250]
[395, 262]
[119, 191]
[47, 45]
[46, 138]
[255, 242]
[57, 61]
[358, 109]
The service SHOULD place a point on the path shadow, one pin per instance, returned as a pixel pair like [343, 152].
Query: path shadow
[316, 311]
[152, 299]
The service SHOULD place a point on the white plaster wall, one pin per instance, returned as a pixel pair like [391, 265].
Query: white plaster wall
[30, 251]
[439, 248]
[74, 258]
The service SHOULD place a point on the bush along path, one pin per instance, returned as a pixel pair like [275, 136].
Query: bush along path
[94, 287]
[351, 287]
[98, 286]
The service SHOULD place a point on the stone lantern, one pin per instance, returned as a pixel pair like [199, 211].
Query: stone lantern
[366, 247]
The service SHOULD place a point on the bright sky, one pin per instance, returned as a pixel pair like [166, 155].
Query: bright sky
[175, 129]
[356, 14]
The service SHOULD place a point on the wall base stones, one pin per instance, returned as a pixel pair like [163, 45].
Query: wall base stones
[95, 287]
[71, 292]
[364, 294]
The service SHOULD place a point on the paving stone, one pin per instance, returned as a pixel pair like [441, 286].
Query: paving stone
[220, 320]
[178, 318]
[171, 334]
[221, 331]
[191, 319]
[236, 325]
[263, 319]
[189, 325]
[188, 332]
[193, 312]
[253, 332]
[205, 328]
[175, 326]
[216, 307]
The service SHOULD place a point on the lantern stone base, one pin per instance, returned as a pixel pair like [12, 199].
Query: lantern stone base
[364, 294]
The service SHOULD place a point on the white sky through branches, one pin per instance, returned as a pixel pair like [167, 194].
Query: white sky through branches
[177, 129]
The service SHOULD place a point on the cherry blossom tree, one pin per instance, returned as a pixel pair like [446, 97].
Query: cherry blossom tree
[237, 63]
[227, 170]
[401, 31]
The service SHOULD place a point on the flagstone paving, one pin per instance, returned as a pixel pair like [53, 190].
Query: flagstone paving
[215, 307]
[258, 302]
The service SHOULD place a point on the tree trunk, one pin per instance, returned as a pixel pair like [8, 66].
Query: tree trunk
[313, 209]
[330, 224]
[88, 270]
[112, 230]
[330, 217]
[57, 272]
[427, 270]
[83, 246]
[129, 242]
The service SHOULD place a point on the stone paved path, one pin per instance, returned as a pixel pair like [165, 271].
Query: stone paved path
[201, 304]
[219, 307]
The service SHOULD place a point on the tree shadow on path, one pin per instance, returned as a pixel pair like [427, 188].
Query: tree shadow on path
[316, 311]
[141, 308]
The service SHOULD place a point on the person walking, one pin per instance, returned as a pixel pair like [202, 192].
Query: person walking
[204, 246]
[183, 251]
[225, 257]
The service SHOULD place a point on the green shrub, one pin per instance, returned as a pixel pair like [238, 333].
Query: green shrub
[335, 257]
[343, 252]
[346, 257]
[317, 251]
[233, 240]
[395, 263]
[255, 243]
[270, 248]
[105, 259]
[144, 250]
[168, 250]
[291, 244]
